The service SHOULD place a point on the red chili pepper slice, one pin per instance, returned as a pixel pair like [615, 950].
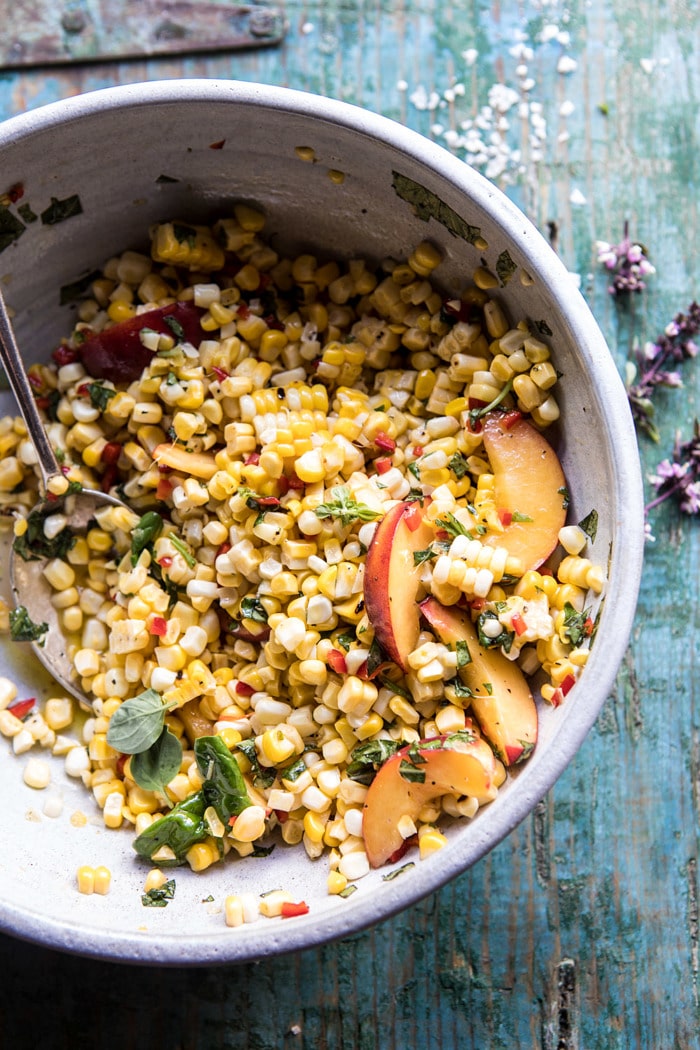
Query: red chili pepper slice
[290, 909]
[268, 501]
[509, 419]
[505, 517]
[383, 465]
[220, 373]
[336, 661]
[253, 459]
[164, 488]
[21, 708]
[413, 516]
[567, 684]
[243, 311]
[243, 689]
[64, 355]
[158, 626]
[518, 624]
[165, 562]
[109, 477]
[384, 442]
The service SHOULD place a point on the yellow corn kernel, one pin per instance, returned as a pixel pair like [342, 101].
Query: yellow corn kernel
[154, 880]
[372, 725]
[230, 736]
[336, 882]
[430, 841]
[424, 258]
[202, 855]
[192, 246]
[85, 877]
[119, 310]
[276, 746]
[314, 826]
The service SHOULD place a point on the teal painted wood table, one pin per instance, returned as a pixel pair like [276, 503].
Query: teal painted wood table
[581, 930]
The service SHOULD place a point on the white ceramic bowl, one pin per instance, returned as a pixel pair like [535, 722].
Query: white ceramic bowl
[133, 155]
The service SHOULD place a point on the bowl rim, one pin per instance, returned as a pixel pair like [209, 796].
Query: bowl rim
[535, 779]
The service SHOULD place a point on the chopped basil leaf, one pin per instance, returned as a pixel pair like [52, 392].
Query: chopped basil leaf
[461, 690]
[10, 228]
[414, 469]
[398, 871]
[408, 771]
[184, 550]
[175, 327]
[566, 498]
[589, 524]
[453, 526]
[23, 628]
[395, 687]
[294, 770]
[346, 639]
[33, 543]
[60, 210]
[262, 851]
[504, 638]
[262, 777]
[375, 657]
[517, 516]
[345, 508]
[366, 759]
[100, 395]
[458, 465]
[184, 234]
[253, 609]
[147, 530]
[464, 657]
[420, 556]
[488, 687]
[159, 896]
[505, 267]
[348, 891]
[576, 624]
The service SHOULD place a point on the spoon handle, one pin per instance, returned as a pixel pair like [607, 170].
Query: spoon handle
[17, 378]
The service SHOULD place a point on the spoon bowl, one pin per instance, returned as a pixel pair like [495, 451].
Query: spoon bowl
[30, 588]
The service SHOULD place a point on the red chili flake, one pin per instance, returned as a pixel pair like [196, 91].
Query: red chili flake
[21, 708]
[34, 380]
[384, 442]
[15, 193]
[383, 465]
[220, 373]
[223, 548]
[290, 909]
[64, 355]
[252, 460]
[243, 311]
[505, 517]
[111, 453]
[418, 451]
[567, 684]
[243, 689]
[336, 661]
[477, 604]
[218, 145]
[165, 562]
[413, 516]
[84, 390]
[475, 402]
[51, 497]
[518, 624]
[509, 419]
[121, 763]
[158, 626]
[282, 815]
[283, 484]
[401, 851]
[267, 501]
[232, 820]
[442, 534]
[588, 626]
[557, 698]
[42, 402]
[296, 482]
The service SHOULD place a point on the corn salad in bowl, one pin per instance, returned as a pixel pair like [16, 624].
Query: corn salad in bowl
[342, 503]
[378, 479]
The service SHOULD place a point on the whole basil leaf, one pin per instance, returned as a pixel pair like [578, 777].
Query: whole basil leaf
[179, 829]
[137, 724]
[154, 768]
[224, 787]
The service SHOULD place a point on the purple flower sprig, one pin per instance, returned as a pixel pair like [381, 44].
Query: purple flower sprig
[650, 367]
[627, 263]
[679, 477]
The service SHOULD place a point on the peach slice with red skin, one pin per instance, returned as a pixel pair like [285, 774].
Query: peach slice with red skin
[392, 579]
[502, 702]
[529, 484]
[460, 764]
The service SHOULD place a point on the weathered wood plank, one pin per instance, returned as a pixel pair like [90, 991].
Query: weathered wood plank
[581, 930]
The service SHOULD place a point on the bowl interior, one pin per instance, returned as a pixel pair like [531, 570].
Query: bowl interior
[96, 172]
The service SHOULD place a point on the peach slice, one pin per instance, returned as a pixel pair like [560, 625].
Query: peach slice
[460, 764]
[392, 579]
[502, 702]
[529, 484]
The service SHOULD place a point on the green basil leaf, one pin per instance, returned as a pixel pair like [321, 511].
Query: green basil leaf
[23, 628]
[137, 723]
[224, 787]
[155, 768]
[147, 530]
[179, 829]
[159, 896]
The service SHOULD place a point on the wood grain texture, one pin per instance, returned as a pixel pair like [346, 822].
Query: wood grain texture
[581, 930]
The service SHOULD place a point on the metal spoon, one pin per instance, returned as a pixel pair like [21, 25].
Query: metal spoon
[29, 585]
